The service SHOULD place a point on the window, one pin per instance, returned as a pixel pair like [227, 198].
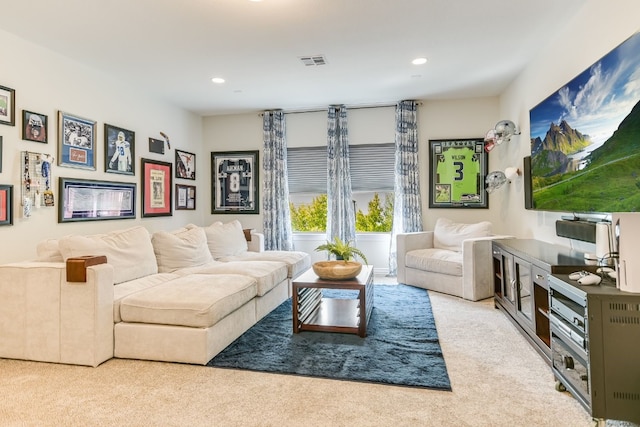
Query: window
[372, 180]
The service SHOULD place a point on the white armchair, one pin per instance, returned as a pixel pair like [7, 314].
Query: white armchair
[454, 259]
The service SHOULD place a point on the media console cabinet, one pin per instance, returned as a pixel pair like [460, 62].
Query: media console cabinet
[589, 335]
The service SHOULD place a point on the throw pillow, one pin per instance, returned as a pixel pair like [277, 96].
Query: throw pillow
[129, 251]
[450, 235]
[49, 251]
[226, 239]
[182, 248]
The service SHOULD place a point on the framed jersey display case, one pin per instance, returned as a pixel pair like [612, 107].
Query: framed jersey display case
[234, 182]
[458, 168]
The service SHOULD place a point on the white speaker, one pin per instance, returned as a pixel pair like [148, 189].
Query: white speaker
[604, 243]
[626, 229]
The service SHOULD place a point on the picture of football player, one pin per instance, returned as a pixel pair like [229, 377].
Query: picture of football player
[121, 158]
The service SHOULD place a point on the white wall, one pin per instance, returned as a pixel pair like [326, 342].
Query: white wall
[46, 83]
[594, 31]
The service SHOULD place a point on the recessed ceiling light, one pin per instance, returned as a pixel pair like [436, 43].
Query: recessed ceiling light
[419, 61]
[218, 80]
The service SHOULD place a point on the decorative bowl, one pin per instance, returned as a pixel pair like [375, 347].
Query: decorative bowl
[337, 270]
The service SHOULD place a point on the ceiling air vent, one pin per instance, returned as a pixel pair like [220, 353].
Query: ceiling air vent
[314, 60]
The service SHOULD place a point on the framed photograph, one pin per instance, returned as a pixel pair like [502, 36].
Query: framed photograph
[185, 197]
[76, 142]
[458, 168]
[157, 185]
[90, 200]
[185, 165]
[6, 204]
[35, 127]
[234, 182]
[156, 146]
[7, 106]
[119, 150]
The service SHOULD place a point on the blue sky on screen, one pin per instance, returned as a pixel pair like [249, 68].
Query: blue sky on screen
[597, 100]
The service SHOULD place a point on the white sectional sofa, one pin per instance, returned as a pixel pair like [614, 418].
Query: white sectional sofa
[178, 296]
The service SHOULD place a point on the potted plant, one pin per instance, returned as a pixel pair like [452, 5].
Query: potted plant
[344, 266]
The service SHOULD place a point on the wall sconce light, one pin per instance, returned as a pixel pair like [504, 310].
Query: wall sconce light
[502, 132]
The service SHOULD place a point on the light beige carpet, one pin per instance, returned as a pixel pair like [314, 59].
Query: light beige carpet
[497, 380]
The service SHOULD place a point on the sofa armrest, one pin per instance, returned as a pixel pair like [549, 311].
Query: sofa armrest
[406, 242]
[45, 318]
[256, 244]
[477, 270]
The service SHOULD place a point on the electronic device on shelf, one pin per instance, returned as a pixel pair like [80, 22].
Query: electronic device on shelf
[585, 277]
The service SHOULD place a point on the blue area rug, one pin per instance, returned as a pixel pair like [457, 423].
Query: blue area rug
[401, 347]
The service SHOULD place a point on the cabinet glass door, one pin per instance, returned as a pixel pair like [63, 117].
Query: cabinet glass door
[509, 279]
[524, 288]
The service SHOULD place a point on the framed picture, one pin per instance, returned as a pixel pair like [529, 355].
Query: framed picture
[119, 150]
[6, 204]
[185, 165]
[157, 185]
[7, 106]
[35, 127]
[234, 182]
[76, 142]
[185, 197]
[156, 146]
[90, 200]
[458, 168]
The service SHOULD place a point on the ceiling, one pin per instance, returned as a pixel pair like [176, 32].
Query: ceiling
[172, 48]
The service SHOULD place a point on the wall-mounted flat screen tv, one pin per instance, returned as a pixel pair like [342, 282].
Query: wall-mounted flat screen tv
[585, 139]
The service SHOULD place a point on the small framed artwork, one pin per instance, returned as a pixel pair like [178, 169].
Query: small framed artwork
[185, 197]
[6, 204]
[458, 171]
[76, 142]
[156, 146]
[157, 184]
[185, 165]
[234, 182]
[119, 150]
[35, 127]
[90, 200]
[7, 106]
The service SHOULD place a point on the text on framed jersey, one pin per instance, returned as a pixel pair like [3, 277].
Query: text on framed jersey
[458, 168]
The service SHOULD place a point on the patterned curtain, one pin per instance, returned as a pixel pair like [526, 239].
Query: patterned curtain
[278, 234]
[341, 220]
[407, 206]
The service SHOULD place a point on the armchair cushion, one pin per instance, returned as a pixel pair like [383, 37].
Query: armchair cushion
[436, 260]
[450, 235]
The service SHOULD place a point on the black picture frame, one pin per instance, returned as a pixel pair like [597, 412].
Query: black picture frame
[235, 182]
[157, 186]
[185, 197]
[92, 200]
[185, 165]
[35, 127]
[7, 106]
[458, 169]
[6, 204]
[119, 150]
[76, 141]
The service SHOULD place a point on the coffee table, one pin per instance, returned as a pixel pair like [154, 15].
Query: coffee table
[312, 311]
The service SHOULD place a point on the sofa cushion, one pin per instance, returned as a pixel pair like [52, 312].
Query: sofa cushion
[131, 287]
[48, 250]
[226, 239]
[268, 274]
[197, 300]
[182, 248]
[450, 235]
[441, 261]
[297, 262]
[129, 251]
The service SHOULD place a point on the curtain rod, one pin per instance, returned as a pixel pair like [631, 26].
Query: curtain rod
[348, 108]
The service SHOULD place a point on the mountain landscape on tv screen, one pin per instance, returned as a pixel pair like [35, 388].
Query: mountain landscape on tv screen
[569, 175]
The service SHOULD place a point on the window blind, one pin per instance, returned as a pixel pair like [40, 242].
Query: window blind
[372, 168]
